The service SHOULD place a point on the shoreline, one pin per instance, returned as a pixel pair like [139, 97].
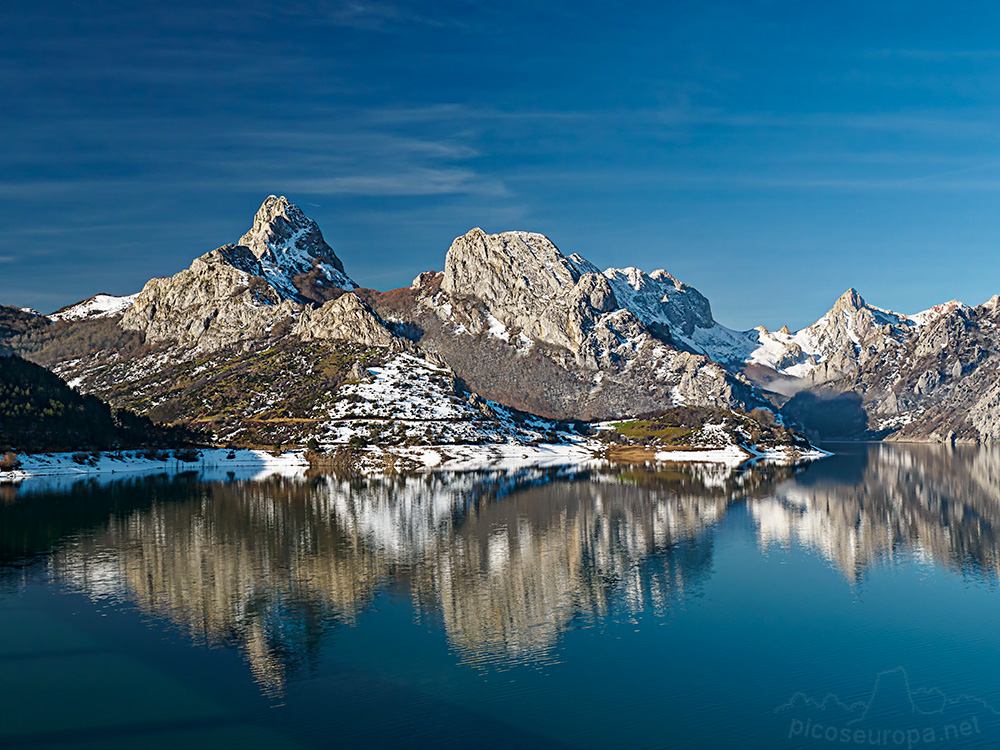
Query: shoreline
[227, 464]
[213, 462]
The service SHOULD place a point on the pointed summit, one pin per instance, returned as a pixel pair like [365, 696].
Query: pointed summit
[294, 258]
[238, 291]
[850, 300]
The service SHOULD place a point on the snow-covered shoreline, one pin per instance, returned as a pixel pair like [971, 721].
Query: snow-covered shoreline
[55, 470]
[212, 463]
[735, 455]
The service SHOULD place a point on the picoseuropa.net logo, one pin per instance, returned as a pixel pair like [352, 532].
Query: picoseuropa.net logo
[894, 716]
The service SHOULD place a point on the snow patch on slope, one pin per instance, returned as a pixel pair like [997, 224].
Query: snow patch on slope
[417, 403]
[933, 313]
[98, 306]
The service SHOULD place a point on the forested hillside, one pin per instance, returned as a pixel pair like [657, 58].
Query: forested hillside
[40, 412]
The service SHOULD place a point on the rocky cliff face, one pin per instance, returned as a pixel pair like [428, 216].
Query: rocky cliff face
[346, 318]
[526, 287]
[931, 376]
[943, 385]
[293, 256]
[242, 291]
[524, 324]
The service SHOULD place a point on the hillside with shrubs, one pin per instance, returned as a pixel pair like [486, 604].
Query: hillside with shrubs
[40, 412]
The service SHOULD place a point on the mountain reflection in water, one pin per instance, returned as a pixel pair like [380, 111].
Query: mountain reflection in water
[504, 562]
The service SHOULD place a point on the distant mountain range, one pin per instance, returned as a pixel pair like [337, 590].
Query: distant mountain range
[259, 337]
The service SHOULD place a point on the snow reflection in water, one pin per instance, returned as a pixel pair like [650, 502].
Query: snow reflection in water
[503, 562]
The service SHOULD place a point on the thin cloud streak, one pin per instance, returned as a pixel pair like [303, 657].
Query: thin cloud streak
[932, 55]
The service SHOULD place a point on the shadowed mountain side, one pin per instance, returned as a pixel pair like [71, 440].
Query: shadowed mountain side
[40, 412]
[828, 416]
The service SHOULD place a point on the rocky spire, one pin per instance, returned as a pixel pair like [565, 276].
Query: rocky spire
[240, 291]
[849, 300]
[290, 247]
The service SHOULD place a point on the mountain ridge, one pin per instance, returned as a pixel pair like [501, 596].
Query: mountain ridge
[522, 324]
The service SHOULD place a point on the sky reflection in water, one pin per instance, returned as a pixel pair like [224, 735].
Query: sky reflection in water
[702, 593]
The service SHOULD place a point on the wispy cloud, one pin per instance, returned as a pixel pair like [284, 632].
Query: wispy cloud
[413, 183]
[933, 55]
[360, 152]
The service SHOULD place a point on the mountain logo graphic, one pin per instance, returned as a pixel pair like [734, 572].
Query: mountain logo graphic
[894, 715]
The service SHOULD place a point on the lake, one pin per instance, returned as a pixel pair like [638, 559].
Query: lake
[850, 602]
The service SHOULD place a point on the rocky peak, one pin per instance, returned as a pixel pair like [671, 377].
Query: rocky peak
[658, 299]
[293, 256]
[526, 283]
[515, 264]
[239, 291]
[849, 300]
[607, 337]
[523, 282]
[851, 333]
[348, 318]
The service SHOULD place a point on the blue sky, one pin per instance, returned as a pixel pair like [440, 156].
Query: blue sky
[771, 154]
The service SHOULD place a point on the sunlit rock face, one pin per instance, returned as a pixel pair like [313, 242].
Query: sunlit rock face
[346, 318]
[523, 324]
[241, 291]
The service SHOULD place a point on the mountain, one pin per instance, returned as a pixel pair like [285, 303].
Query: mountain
[850, 335]
[281, 266]
[264, 342]
[98, 306]
[523, 324]
[862, 370]
[942, 384]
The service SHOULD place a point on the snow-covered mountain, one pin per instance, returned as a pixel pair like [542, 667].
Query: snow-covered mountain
[517, 322]
[846, 337]
[98, 306]
[280, 269]
[522, 323]
[291, 254]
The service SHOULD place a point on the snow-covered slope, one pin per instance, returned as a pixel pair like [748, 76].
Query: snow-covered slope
[279, 268]
[98, 306]
[288, 244]
[844, 338]
[933, 313]
[418, 402]
[669, 306]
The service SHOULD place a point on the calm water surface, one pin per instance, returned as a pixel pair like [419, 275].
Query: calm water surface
[851, 603]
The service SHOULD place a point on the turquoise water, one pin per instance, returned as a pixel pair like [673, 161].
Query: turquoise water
[853, 602]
